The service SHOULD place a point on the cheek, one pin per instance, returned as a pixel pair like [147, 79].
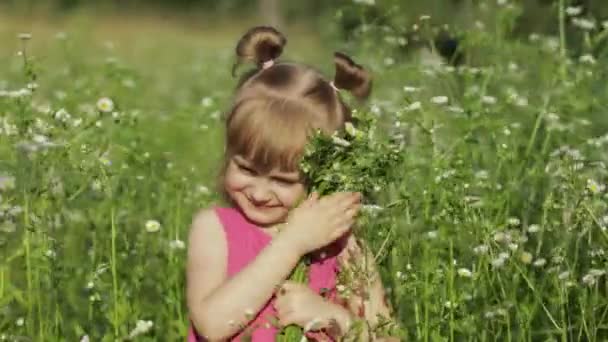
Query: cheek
[289, 196]
[234, 181]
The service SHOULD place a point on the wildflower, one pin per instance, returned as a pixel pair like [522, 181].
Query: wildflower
[501, 237]
[24, 36]
[589, 280]
[409, 89]
[583, 23]
[498, 262]
[432, 234]
[488, 99]
[564, 275]
[96, 185]
[105, 104]
[19, 322]
[513, 246]
[587, 58]
[141, 327]
[152, 226]
[465, 273]
[481, 174]
[85, 338]
[574, 10]
[539, 262]
[340, 288]
[365, 2]
[533, 228]
[594, 187]
[339, 141]
[177, 244]
[525, 257]
[201, 188]
[207, 102]
[513, 221]
[481, 249]
[413, 106]
[455, 109]
[439, 99]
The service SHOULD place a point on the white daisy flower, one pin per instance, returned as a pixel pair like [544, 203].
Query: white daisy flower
[465, 273]
[105, 105]
[439, 99]
[152, 226]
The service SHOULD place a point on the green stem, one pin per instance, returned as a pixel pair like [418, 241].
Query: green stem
[114, 275]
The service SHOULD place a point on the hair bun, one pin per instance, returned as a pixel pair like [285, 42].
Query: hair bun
[259, 44]
[351, 76]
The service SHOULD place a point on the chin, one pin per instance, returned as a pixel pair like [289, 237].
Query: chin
[261, 216]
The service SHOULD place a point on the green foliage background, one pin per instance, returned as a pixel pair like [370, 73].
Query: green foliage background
[495, 230]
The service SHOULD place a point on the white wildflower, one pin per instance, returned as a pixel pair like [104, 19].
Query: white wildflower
[439, 99]
[105, 105]
[539, 262]
[203, 190]
[584, 23]
[533, 228]
[152, 226]
[339, 141]
[481, 249]
[594, 187]
[24, 36]
[498, 262]
[589, 280]
[20, 321]
[513, 221]
[587, 58]
[574, 10]
[564, 275]
[177, 244]
[432, 234]
[409, 89]
[141, 327]
[465, 273]
[525, 257]
[207, 102]
[413, 106]
[488, 99]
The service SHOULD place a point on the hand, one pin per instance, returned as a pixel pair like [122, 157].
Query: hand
[297, 304]
[318, 222]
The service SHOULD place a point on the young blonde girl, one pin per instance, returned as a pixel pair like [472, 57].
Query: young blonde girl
[240, 256]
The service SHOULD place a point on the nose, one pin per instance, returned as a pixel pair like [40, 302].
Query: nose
[260, 194]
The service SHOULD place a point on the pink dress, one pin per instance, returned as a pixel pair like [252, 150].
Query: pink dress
[245, 241]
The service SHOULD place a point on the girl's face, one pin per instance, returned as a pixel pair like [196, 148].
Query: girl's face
[264, 198]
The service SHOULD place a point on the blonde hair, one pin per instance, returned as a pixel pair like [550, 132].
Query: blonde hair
[277, 105]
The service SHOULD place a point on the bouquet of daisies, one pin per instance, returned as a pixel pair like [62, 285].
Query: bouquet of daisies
[355, 159]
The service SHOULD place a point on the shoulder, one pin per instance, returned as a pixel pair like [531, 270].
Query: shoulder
[205, 226]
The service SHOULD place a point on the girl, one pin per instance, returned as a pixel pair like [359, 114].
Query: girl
[239, 257]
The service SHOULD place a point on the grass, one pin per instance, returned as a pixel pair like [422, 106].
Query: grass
[496, 230]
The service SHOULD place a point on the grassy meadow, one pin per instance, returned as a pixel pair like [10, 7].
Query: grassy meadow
[111, 133]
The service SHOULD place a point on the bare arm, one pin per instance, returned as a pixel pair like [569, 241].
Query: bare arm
[219, 308]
